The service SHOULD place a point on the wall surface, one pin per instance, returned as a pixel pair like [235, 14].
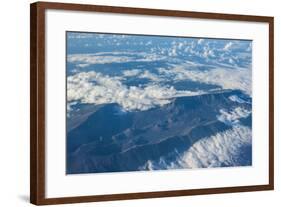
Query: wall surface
[14, 110]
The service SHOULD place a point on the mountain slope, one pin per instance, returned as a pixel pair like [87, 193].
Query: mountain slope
[112, 140]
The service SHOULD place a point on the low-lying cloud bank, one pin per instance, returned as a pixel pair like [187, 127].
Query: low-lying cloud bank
[95, 88]
[232, 117]
[217, 150]
[221, 149]
[240, 78]
[113, 57]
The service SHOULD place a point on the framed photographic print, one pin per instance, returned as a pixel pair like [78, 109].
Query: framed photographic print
[130, 103]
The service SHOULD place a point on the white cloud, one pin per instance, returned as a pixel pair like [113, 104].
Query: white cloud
[232, 117]
[231, 61]
[83, 65]
[95, 88]
[207, 53]
[215, 151]
[69, 107]
[180, 45]
[104, 58]
[80, 35]
[130, 73]
[200, 41]
[148, 43]
[97, 59]
[237, 99]
[150, 58]
[149, 75]
[218, 149]
[239, 78]
[228, 46]
[172, 52]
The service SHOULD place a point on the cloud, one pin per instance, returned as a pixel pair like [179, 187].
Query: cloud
[239, 78]
[74, 35]
[200, 41]
[97, 59]
[210, 50]
[218, 150]
[228, 46]
[150, 58]
[207, 53]
[130, 73]
[95, 88]
[177, 48]
[180, 45]
[237, 99]
[113, 57]
[148, 43]
[150, 76]
[173, 52]
[83, 65]
[69, 107]
[232, 117]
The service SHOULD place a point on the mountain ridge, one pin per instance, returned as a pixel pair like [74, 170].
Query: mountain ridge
[127, 140]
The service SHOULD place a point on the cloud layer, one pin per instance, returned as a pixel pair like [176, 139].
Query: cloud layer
[221, 61]
[95, 88]
[239, 78]
[221, 149]
[114, 57]
[232, 117]
[97, 59]
[217, 150]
